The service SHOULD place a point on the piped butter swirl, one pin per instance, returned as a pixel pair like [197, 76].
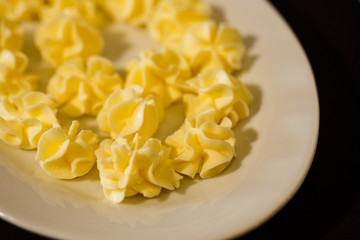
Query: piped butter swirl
[67, 155]
[219, 90]
[13, 78]
[82, 87]
[64, 37]
[159, 73]
[135, 12]
[126, 113]
[23, 122]
[202, 145]
[11, 36]
[138, 166]
[208, 46]
[172, 18]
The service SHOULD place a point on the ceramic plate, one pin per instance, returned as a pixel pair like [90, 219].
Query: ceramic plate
[275, 148]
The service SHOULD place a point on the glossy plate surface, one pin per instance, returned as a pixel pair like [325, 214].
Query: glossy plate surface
[275, 149]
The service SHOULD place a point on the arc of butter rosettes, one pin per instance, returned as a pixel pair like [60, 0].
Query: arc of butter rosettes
[87, 9]
[172, 18]
[126, 113]
[202, 145]
[67, 155]
[135, 12]
[11, 36]
[82, 87]
[23, 122]
[219, 90]
[159, 73]
[13, 78]
[138, 166]
[19, 9]
[208, 46]
[64, 37]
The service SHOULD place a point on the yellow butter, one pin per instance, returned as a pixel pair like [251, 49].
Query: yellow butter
[159, 73]
[172, 18]
[208, 46]
[24, 121]
[67, 155]
[219, 90]
[64, 37]
[19, 9]
[139, 166]
[11, 36]
[82, 87]
[135, 12]
[86, 9]
[202, 145]
[13, 78]
[126, 112]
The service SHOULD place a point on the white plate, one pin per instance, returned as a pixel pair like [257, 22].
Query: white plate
[275, 148]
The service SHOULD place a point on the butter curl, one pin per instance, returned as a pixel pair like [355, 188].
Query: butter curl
[159, 73]
[23, 122]
[202, 145]
[172, 18]
[208, 46]
[67, 155]
[82, 87]
[139, 166]
[126, 112]
[217, 89]
[64, 37]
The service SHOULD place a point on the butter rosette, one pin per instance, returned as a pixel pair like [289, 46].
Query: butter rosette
[64, 37]
[130, 167]
[19, 9]
[127, 112]
[208, 46]
[13, 78]
[172, 18]
[159, 73]
[202, 145]
[24, 121]
[219, 90]
[87, 9]
[82, 87]
[67, 155]
[135, 12]
[11, 36]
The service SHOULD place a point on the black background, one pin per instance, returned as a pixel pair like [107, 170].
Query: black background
[327, 206]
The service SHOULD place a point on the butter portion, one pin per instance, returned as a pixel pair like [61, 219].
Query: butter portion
[67, 155]
[82, 87]
[87, 9]
[64, 37]
[11, 36]
[202, 145]
[139, 166]
[24, 121]
[159, 73]
[19, 9]
[13, 78]
[172, 18]
[126, 112]
[208, 46]
[135, 12]
[219, 90]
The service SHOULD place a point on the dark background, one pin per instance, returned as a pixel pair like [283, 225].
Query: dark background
[327, 206]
